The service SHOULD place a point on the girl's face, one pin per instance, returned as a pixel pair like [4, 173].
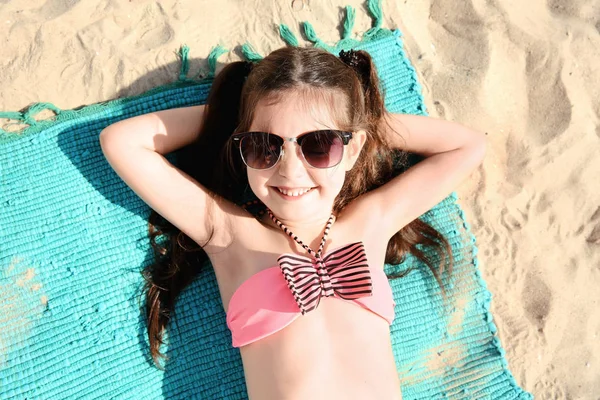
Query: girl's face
[290, 118]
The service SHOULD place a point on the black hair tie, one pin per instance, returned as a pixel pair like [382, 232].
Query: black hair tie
[350, 58]
[359, 63]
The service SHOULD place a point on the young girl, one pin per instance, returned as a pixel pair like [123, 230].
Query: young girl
[300, 276]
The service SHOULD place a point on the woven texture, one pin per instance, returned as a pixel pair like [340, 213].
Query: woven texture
[74, 239]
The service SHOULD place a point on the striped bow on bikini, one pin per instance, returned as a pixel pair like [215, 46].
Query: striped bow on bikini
[343, 272]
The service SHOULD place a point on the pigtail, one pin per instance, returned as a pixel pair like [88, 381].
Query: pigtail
[369, 97]
[417, 233]
[361, 62]
[178, 259]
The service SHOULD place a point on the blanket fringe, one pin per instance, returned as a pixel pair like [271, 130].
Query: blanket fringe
[286, 34]
[215, 53]
[310, 33]
[185, 65]
[374, 7]
[250, 53]
[348, 22]
[12, 115]
[28, 117]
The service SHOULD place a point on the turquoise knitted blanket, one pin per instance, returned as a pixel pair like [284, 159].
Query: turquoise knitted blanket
[73, 240]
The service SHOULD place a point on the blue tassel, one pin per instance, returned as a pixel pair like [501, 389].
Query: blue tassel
[374, 7]
[37, 107]
[185, 65]
[310, 32]
[250, 54]
[214, 54]
[287, 35]
[12, 115]
[348, 22]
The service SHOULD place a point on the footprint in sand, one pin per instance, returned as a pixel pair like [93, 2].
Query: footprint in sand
[441, 110]
[512, 220]
[544, 203]
[586, 12]
[154, 29]
[465, 54]
[469, 49]
[537, 300]
[55, 8]
[594, 237]
[516, 213]
[549, 104]
[584, 9]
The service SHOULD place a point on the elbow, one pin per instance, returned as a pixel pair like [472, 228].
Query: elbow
[102, 138]
[106, 139]
[104, 132]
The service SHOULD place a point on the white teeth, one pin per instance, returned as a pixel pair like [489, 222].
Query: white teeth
[295, 192]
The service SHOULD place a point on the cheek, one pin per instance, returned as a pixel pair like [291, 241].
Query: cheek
[258, 183]
[331, 181]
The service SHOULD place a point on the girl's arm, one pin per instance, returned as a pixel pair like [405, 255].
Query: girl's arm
[428, 136]
[452, 153]
[134, 148]
[162, 131]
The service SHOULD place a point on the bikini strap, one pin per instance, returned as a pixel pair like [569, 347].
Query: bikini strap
[317, 255]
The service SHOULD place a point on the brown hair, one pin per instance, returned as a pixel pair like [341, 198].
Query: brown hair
[351, 89]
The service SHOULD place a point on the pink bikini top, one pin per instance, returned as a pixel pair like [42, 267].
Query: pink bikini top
[273, 298]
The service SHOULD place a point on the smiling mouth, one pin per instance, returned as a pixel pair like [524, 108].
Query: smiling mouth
[294, 192]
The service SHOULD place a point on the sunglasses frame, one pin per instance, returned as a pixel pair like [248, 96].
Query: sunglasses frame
[345, 136]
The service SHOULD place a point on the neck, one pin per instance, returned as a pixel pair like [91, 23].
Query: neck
[307, 230]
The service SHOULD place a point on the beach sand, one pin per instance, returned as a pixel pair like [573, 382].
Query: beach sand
[525, 73]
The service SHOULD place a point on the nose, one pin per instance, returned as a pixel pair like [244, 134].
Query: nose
[291, 164]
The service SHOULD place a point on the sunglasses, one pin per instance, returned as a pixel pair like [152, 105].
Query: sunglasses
[320, 149]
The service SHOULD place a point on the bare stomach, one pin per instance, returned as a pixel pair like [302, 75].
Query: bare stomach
[339, 351]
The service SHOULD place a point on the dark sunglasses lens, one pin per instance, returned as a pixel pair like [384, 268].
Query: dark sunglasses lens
[323, 149]
[260, 150]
